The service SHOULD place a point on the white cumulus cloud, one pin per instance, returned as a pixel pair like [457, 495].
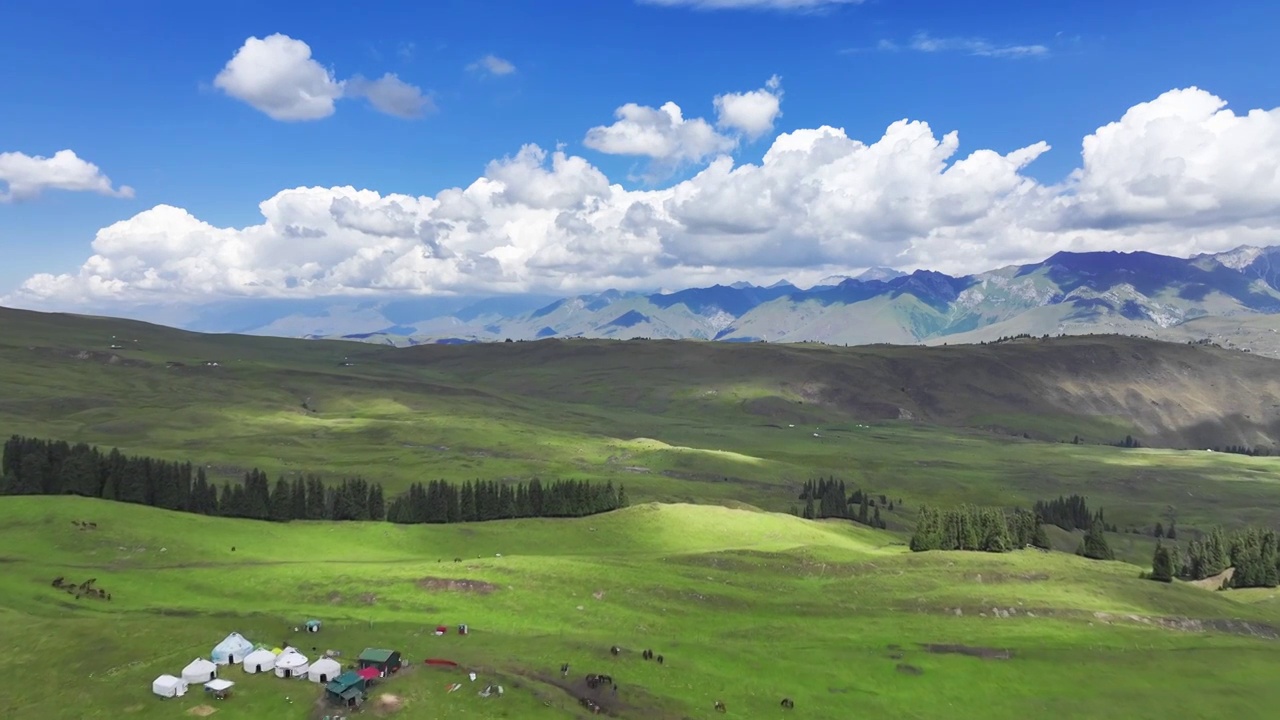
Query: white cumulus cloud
[753, 112]
[278, 76]
[660, 133]
[664, 134]
[1180, 174]
[25, 177]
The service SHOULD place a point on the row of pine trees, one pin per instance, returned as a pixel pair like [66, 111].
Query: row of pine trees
[442, 502]
[32, 466]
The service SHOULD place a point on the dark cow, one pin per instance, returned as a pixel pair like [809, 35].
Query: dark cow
[786, 703]
[615, 650]
[720, 707]
[659, 659]
[564, 670]
[648, 654]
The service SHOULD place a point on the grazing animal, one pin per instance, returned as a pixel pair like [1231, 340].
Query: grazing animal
[615, 649]
[660, 660]
[648, 654]
[786, 703]
[720, 707]
[457, 559]
[564, 670]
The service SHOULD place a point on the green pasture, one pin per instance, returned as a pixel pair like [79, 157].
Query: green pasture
[746, 607]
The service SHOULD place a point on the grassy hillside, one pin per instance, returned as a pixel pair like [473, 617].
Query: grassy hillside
[746, 608]
[674, 421]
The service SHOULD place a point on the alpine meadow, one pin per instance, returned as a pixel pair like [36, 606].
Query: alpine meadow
[730, 558]
[640, 359]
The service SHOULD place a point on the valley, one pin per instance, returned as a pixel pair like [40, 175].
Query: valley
[708, 565]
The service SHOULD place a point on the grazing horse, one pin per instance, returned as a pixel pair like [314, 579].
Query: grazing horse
[659, 659]
[786, 703]
[720, 706]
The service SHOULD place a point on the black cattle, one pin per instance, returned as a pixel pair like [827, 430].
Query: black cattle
[564, 670]
[720, 707]
[786, 703]
[615, 650]
[660, 661]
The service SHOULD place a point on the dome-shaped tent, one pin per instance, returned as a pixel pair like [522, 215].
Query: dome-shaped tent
[324, 670]
[199, 671]
[232, 650]
[291, 664]
[259, 661]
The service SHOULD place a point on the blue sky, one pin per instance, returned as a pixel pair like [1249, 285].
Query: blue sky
[129, 87]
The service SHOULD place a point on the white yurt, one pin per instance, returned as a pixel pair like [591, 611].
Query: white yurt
[324, 670]
[259, 661]
[199, 671]
[291, 664]
[167, 686]
[232, 649]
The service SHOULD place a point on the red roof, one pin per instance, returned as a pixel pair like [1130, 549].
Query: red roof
[369, 673]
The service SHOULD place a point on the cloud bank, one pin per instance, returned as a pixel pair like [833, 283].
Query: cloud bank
[1180, 174]
[277, 76]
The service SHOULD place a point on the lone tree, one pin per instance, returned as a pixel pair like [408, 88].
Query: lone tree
[1094, 545]
[1162, 564]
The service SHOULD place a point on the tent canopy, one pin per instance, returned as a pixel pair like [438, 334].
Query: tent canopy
[368, 673]
[218, 685]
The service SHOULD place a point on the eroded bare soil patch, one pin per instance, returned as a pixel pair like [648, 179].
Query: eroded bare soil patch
[435, 584]
[984, 653]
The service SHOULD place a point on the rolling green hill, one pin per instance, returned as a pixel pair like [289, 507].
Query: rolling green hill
[746, 607]
[673, 421]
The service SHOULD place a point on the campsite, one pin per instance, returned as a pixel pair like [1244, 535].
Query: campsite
[728, 597]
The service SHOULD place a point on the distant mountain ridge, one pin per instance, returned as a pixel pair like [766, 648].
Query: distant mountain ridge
[1138, 293]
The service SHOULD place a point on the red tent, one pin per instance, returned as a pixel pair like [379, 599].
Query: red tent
[369, 673]
[441, 629]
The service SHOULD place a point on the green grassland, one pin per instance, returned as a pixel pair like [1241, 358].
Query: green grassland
[673, 421]
[747, 607]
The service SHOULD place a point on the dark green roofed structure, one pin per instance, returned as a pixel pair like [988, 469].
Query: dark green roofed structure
[386, 661]
[346, 689]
